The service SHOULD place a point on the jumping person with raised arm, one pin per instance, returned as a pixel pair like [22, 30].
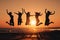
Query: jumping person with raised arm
[19, 17]
[11, 18]
[37, 14]
[27, 17]
[47, 20]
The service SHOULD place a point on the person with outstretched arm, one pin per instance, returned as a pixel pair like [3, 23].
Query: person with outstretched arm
[37, 14]
[27, 17]
[19, 17]
[47, 20]
[11, 18]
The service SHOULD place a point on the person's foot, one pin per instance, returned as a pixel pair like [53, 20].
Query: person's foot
[39, 24]
[6, 22]
[26, 24]
[10, 24]
[52, 22]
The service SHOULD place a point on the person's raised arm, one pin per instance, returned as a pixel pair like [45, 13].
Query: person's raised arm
[53, 13]
[15, 13]
[45, 10]
[7, 11]
[24, 11]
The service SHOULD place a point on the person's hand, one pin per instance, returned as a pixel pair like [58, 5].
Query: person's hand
[6, 9]
[45, 9]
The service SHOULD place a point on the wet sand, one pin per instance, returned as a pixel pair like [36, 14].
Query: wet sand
[51, 35]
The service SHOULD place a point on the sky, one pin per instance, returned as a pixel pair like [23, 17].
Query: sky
[30, 6]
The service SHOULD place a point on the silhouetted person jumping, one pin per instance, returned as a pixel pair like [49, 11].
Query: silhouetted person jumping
[19, 17]
[47, 20]
[27, 17]
[11, 18]
[37, 14]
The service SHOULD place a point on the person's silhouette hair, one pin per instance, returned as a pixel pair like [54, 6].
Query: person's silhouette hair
[27, 17]
[11, 18]
[37, 14]
[19, 17]
[47, 20]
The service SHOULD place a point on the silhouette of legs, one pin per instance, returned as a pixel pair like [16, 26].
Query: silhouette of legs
[27, 22]
[19, 21]
[37, 22]
[51, 22]
[47, 22]
[11, 23]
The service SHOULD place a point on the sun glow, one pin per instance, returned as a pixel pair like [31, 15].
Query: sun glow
[32, 21]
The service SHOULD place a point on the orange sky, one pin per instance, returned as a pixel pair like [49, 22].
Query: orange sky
[31, 6]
